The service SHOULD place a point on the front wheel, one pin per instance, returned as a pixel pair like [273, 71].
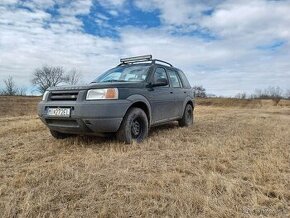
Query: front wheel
[187, 118]
[134, 126]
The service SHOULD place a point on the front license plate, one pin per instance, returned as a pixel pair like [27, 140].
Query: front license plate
[58, 112]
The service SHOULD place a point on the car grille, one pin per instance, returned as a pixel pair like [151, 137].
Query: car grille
[63, 96]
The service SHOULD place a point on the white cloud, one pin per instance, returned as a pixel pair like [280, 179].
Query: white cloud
[112, 3]
[35, 4]
[220, 66]
[231, 64]
[8, 2]
[255, 18]
[113, 13]
[182, 12]
[75, 7]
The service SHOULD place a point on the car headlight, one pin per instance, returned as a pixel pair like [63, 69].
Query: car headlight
[95, 94]
[44, 97]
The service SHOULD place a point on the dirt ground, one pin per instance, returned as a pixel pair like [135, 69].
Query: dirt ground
[234, 162]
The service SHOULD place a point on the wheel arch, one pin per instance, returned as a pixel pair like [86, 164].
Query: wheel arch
[140, 101]
[188, 101]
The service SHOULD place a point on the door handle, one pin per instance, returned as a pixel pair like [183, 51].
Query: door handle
[184, 91]
[171, 92]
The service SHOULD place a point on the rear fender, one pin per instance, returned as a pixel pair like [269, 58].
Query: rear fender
[188, 99]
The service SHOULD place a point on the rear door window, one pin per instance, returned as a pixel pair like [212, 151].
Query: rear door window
[174, 79]
[185, 82]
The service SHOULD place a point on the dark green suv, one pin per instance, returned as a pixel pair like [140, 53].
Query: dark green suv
[138, 93]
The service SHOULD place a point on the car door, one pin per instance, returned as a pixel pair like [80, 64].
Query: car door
[178, 91]
[161, 97]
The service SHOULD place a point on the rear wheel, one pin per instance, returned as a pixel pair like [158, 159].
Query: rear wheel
[59, 135]
[187, 118]
[134, 126]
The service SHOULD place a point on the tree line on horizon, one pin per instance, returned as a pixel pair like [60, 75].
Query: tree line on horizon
[48, 76]
[272, 92]
[42, 79]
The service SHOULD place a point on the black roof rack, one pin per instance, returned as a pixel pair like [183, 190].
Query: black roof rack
[154, 60]
[136, 59]
[142, 58]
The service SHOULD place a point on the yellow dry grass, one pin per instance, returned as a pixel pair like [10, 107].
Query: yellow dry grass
[18, 105]
[235, 162]
[244, 103]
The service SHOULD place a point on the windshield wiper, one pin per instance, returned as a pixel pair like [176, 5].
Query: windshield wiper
[113, 80]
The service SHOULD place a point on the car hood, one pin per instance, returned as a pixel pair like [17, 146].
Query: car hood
[99, 86]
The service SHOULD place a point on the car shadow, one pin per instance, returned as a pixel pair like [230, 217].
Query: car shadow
[104, 140]
[162, 128]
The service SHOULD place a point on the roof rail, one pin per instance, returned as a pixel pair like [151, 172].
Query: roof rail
[141, 58]
[154, 60]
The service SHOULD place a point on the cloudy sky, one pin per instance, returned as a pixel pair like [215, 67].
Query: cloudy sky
[228, 46]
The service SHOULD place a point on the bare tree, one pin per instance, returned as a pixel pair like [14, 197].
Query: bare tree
[22, 91]
[73, 77]
[257, 94]
[10, 87]
[199, 92]
[274, 93]
[48, 76]
[242, 95]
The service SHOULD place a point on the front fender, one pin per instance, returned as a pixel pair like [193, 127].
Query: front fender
[140, 98]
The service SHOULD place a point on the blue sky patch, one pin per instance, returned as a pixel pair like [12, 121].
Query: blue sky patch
[102, 23]
[272, 46]
[208, 12]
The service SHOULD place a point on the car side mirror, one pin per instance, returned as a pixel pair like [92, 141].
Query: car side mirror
[161, 82]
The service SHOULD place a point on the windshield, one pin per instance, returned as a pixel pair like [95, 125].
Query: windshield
[133, 73]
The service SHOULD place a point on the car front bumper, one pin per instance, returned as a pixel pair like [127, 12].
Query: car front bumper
[87, 117]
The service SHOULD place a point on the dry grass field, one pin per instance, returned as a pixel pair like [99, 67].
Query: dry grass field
[234, 162]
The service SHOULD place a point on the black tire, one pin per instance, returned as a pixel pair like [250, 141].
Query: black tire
[134, 126]
[187, 118]
[59, 135]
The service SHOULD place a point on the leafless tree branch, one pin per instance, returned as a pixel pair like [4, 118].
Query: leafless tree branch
[73, 77]
[10, 87]
[48, 76]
